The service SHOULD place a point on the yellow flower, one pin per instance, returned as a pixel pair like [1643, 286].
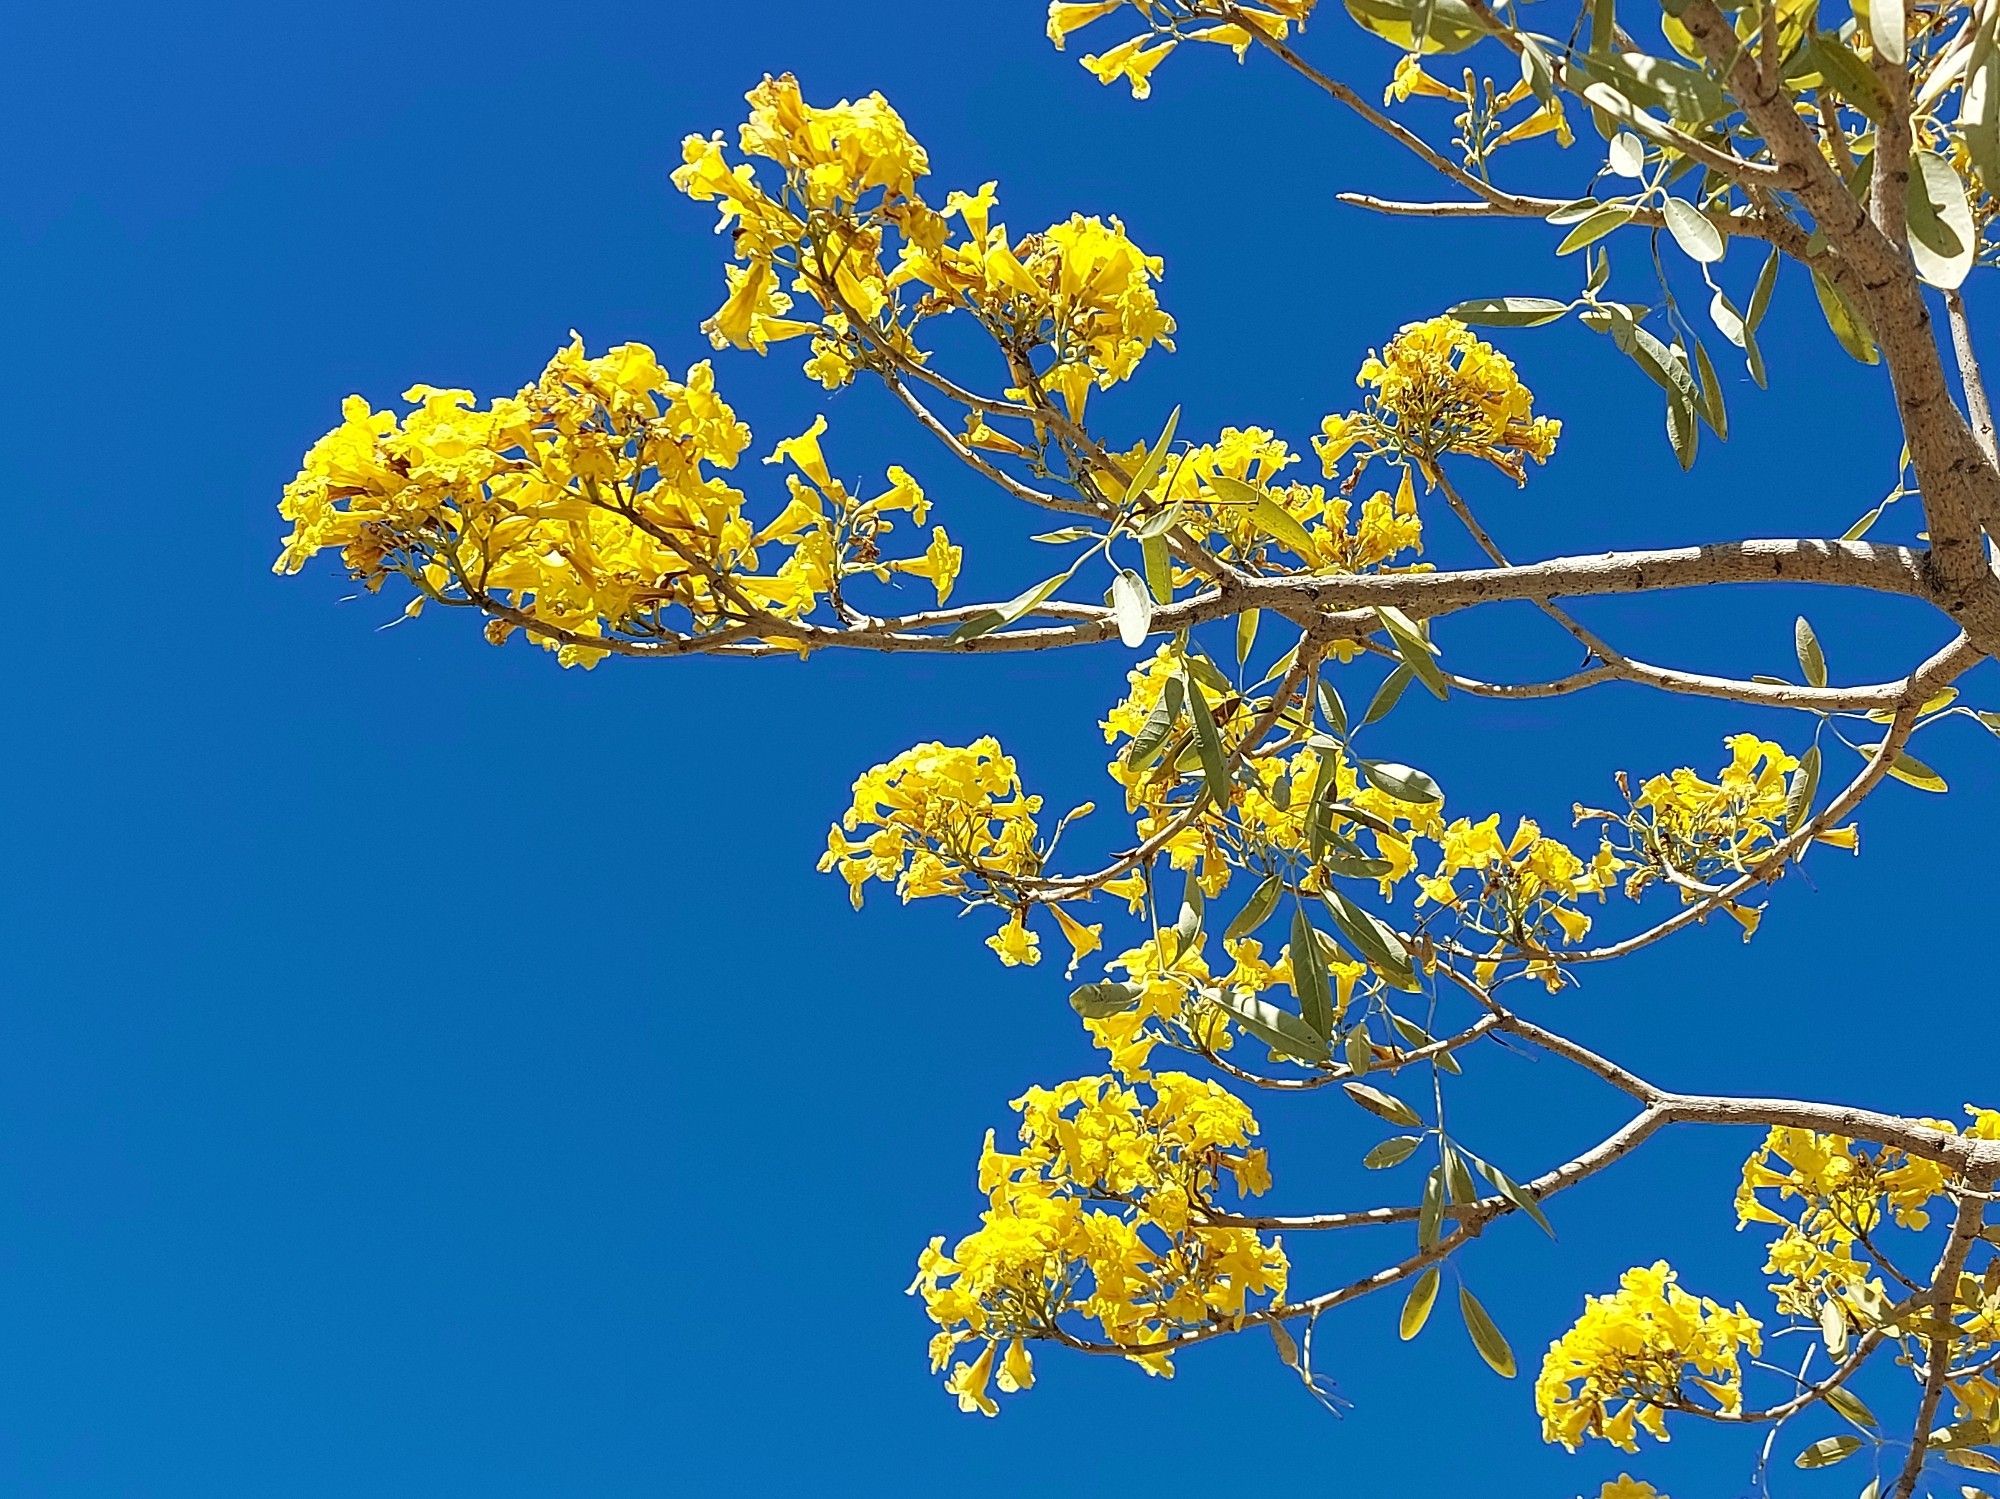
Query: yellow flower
[1101, 1216]
[1628, 1354]
[1066, 16]
[1624, 1486]
[1015, 944]
[1133, 61]
[1437, 389]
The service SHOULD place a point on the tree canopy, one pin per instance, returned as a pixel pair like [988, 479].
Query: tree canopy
[1293, 912]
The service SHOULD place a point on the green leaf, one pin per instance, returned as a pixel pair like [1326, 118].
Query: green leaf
[1850, 1404]
[1246, 633]
[1805, 786]
[1384, 1105]
[1331, 705]
[1279, 1029]
[1358, 1051]
[1418, 653]
[1683, 431]
[1066, 534]
[1888, 26]
[1812, 660]
[1827, 1451]
[1848, 74]
[1097, 1001]
[1911, 771]
[1152, 735]
[1712, 410]
[1693, 231]
[1430, 1209]
[1020, 605]
[1373, 939]
[1269, 516]
[1627, 156]
[1392, 1152]
[1213, 764]
[1510, 312]
[1515, 1193]
[1159, 568]
[1417, 1305]
[1943, 240]
[1310, 980]
[1846, 323]
[1760, 303]
[1979, 102]
[1402, 782]
[1387, 695]
[1132, 607]
[1444, 25]
[1591, 230]
[1485, 1335]
[1256, 910]
[1155, 460]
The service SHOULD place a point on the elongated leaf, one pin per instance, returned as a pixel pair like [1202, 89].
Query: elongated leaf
[1213, 763]
[1827, 1451]
[1418, 653]
[1753, 315]
[1387, 695]
[1132, 606]
[1510, 312]
[1888, 26]
[1159, 568]
[1279, 1029]
[1155, 460]
[1392, 1152]
[1911, 771]
[1805, 786]
[1096, 1001]
[1693, 231]
[1310, 979]
[1943, 240]
[1373, 939]
[1417, 1305]
[1486, 1336]
[1812, 660]
[1515, 1193]
[1066, 534]
[1385, 1105]
[1850, 1404]
[1403, 782]
[1430, 1209]
[1246, 634]
[1712, 410]
[1256, 910]
[1979, 104]
[1152, 736]
[1841, 316]
[1021, 605]
[1331, 705]
[1594, 228]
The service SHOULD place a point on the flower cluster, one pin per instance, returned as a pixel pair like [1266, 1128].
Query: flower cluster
[1331, 533]
[1437, 389]
[1101, 1216]
[1080, 289]
[584, 509]
[1633, 1353]
[1524, 884]
[951, 820]
[1079, 294]
[1845, 1192]
[1172, 22]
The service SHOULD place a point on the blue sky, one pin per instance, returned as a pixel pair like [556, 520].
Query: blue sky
[423, 1071]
